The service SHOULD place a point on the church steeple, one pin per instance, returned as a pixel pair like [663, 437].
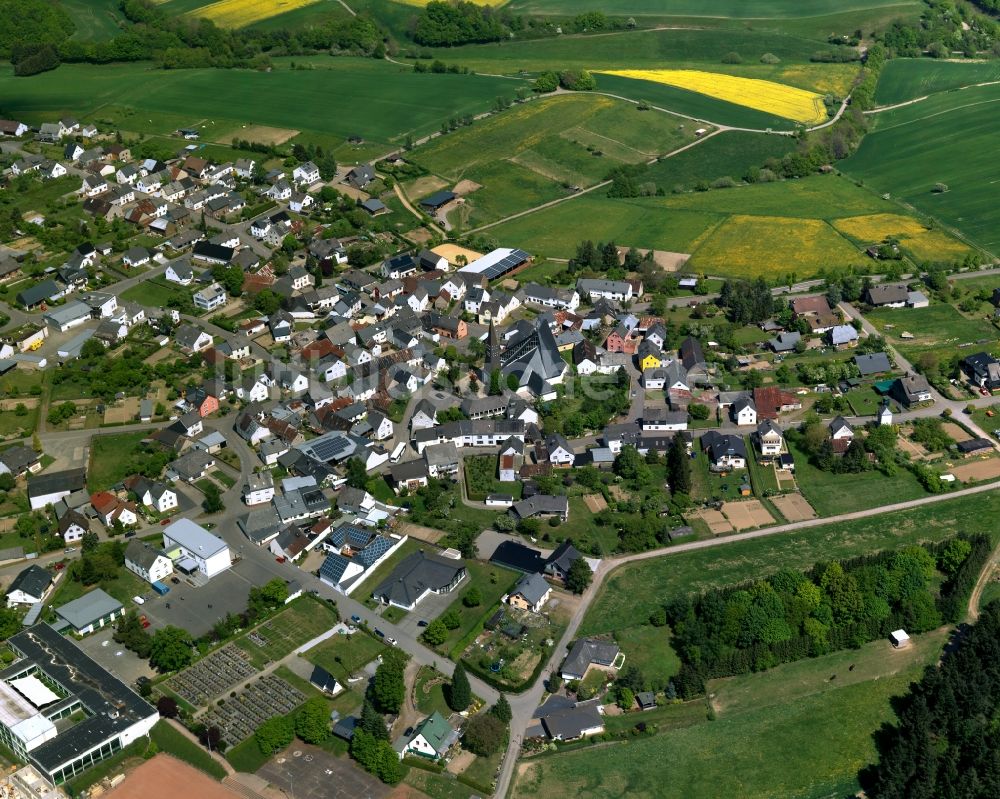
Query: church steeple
[493, 346]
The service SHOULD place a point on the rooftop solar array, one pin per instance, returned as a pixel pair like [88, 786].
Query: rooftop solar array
[497, 263]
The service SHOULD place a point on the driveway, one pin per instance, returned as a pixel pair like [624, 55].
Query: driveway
[428, 610]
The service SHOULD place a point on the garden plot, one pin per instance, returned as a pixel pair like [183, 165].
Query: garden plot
[745, 515]
[717, 523]
[955, 432]
[595, 503]
[212, 676]
[793, 507]
[241, 715]
[986, 469]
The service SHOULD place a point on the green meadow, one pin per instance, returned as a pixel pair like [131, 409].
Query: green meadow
[377, 100]
[905, 79]
[949, 138]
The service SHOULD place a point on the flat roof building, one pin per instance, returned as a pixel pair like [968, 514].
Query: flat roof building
[52, 680]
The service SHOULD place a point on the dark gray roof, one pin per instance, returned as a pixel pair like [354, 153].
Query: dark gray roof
[872, 363]
[113, 706]
[564, 556]
[52, 482]
[33, 581]
[532, 587]
[416, 574]
[142, 554]
[571, 722]
[587, 652]
[518, 556]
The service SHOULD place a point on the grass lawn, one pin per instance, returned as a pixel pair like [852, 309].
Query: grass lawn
[123, 587]
[222, 477]
[14, 426]
[786, 732]
[938, 328]
[160, 293]
[580, 529]
[428, 692]
[22, 383]
[831, 494]
[864, 401]
[493, 582]
[711, 485]
[649, 648]
[174, 743]
[481, 479]
[762, 478]
[633, 591]
[246, 756]
[482, 771]
[440, 786]
[301, 621]
[343, 655]
[110, 458]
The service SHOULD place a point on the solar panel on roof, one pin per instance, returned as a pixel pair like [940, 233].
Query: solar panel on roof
[357, 537]
[333, 567]
[375, 550]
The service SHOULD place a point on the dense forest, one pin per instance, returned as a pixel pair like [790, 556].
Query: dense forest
[840, 604]
[945, 743]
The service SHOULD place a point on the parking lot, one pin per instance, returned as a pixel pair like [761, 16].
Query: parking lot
[197, 609]
[125, 665]
[307, 772]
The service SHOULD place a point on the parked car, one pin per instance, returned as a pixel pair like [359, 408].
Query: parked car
[280, 559]
[59, 566]
[138, 600]
[379, 633]
[69, 549]
[391, 641]
[422, 623]
[164, 522]
[356, 619]
[145, 624]
[175, 581]
[130, 534]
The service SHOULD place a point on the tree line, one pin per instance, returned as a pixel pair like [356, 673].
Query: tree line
[838, 604]
[945, 742]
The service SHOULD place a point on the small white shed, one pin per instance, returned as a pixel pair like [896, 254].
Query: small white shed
[899, 639]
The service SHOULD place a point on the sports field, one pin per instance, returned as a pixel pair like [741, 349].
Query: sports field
[322, 101]
[904, 79]
[949, 138]
[789, 102]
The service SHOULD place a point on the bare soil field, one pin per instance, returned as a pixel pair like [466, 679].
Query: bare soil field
[595, 502]
[266, 134]
[164, 777]
[127, 411]
[452, 251]
[717, 523]
[956, 432]
[793, 507]
[464, 187]
[745, 515]
[975, 471]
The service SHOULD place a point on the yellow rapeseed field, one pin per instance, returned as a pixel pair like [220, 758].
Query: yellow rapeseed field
[240, 13]
[768, 246]
[922, 243]
[762, 95]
